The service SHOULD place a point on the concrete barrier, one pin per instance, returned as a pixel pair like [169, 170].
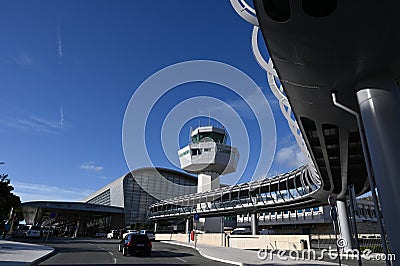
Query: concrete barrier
[207, 239]
[176, 237]
[278, 242]
[213, 239]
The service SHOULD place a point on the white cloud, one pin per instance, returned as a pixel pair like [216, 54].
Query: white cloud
[91, 166]
[32, 123]
[36, 124]
[59, 43]
[36, 192]
[24, 59]
[46, 123]
[290, 156]
[61, 116]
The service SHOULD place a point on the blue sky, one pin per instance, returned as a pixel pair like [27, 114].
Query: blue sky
[68, 70]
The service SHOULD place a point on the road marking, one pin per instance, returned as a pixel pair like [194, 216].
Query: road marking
[204, 255]
[109, 252]
[181, 259]
[112, 256]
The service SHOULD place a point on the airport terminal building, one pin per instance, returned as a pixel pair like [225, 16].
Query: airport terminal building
[122, 203]
[125, 203]
[137, 190]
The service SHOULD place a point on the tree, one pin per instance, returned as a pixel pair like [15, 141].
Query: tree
[8, 200]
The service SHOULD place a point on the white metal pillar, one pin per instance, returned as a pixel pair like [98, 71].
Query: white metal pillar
[187, 227]
[254, 223]
[344, 225]
[76, 229]
[379, 107]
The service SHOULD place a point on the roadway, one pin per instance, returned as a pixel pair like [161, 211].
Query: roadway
[105, 252]
[90, 251]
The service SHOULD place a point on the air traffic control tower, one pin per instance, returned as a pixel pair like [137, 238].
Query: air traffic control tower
[208, 156]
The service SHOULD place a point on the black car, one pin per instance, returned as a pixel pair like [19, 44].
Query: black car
[135, 244]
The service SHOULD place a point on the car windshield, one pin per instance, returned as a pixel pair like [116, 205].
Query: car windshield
[25, 227]
[35, 228]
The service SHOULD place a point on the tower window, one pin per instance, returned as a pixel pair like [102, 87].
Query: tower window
[196, 151]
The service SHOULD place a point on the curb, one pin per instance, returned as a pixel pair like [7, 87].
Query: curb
[204, 255]
[43, 258]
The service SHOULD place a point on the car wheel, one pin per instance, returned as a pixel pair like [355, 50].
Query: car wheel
[124, 251]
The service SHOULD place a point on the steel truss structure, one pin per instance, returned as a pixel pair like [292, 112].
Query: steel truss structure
[292, 190]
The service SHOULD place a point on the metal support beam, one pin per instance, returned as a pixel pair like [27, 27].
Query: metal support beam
[380, 112]
[371, 178]
[344, 224]
[352, 201]
[188, 227]
[254, 223]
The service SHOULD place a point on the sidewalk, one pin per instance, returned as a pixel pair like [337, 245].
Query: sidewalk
[244, 257]
[16, 253]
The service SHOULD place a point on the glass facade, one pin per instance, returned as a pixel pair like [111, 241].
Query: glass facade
[143, 188]
[103, 198]
[137, 190]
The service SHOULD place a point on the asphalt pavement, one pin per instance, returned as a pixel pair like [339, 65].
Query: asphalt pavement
[89, 251]
[105, 252]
